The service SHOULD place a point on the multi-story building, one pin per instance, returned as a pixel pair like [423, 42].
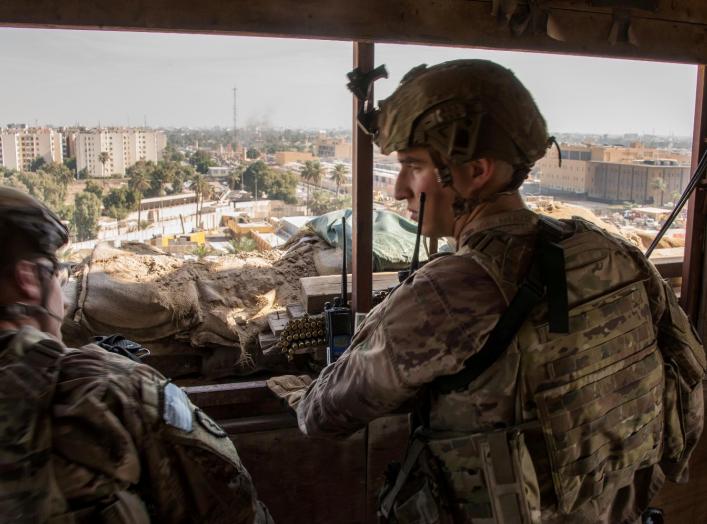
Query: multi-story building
[585, 167]
[287, 157]
[572, 175]
[637, 182]
[19, 147]
[331, 148]
[123, 148]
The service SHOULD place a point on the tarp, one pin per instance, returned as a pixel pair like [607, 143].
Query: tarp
[393, 237]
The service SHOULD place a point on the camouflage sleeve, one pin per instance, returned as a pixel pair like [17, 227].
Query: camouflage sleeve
[426, 328]
[125, 422]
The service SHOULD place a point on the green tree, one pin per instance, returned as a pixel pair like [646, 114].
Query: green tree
[235, 177]
[103, 157]
[37, 164]
[311, 173]
[281, 186]
[70, 163]
[255, 176]
[87, 209]
[338, 176]
[170, 154]
[83, 174]
[201, 160]
[50, 190]
[93, 187]
[139, 182]
[58, 171]
[252, 153]
[7, 172]
[658, 184]
[119, 202]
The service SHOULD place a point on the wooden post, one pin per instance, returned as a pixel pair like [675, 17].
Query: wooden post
[692, 299]
[362, 249]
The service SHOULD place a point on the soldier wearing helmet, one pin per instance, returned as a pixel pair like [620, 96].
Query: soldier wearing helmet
[536, 355]
[87, 435]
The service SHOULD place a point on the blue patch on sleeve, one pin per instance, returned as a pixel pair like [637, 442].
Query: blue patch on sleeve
[177, 408]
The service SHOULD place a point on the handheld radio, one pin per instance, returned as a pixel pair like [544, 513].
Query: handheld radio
[337, 316]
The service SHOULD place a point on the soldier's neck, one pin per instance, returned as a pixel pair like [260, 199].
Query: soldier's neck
[503, 204]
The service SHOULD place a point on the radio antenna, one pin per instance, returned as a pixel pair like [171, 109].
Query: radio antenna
[416, 254]
[344, 274]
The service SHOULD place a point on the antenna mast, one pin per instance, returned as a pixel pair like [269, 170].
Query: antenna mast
[235, 118]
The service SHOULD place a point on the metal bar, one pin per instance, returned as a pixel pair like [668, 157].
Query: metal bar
[362, 248]
[692, 272]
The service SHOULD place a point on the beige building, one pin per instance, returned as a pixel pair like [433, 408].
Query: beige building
[636, 182]
[572, 175]
[123, 146]
[286, 157]
[578, 166]
[329, 148]
[20, 146]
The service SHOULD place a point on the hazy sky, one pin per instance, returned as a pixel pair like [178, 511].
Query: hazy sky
[62, 77]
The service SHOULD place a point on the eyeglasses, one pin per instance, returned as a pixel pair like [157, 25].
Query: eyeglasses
[62, 270]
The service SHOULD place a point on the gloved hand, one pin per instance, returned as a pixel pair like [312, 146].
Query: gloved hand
[289, 388]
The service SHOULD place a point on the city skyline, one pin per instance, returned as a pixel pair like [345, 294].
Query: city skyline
[60, 77]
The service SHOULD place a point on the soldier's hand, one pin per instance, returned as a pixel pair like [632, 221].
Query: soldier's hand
[289, 388]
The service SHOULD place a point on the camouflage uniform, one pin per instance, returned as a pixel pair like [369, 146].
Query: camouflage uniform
[443, 314]
[90, 436]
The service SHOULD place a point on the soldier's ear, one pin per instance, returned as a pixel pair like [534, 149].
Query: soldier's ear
[27, 282]
[479, 173]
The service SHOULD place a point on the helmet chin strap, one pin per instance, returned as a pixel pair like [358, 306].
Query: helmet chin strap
[465, 205]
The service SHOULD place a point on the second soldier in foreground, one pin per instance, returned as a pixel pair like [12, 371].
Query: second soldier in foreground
[576, 418]
[87, 435]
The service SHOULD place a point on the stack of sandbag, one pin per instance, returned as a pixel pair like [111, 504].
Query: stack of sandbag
[212, 309]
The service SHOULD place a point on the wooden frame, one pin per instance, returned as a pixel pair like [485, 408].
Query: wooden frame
[643, 29]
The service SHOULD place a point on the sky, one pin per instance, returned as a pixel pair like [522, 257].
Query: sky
[60, 77]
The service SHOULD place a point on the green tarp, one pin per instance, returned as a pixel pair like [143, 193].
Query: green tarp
[393, 237]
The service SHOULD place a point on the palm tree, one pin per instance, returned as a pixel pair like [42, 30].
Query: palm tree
[338, 176]
[235, 176]
[139, 182]
[311, 172]
[103, 157]
[202, 188]
[658, 184]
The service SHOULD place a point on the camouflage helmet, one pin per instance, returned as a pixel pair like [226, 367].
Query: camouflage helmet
[24, 216]
[464, 110]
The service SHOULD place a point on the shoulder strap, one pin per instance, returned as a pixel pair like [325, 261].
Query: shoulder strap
[545, 278]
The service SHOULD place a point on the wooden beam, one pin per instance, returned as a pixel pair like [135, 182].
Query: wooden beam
[362, 256]
[676, 31]
[692, 276]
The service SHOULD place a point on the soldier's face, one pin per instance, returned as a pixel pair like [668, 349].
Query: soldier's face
[418, 174]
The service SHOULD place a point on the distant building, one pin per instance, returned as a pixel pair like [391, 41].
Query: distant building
[330, 148]
[125, 147]
[19, 147]
[572, 175]
[286, 157]
[579, 164]
[616, 182]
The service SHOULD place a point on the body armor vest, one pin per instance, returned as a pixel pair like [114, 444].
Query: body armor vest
[30, 364]
[586, 411]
